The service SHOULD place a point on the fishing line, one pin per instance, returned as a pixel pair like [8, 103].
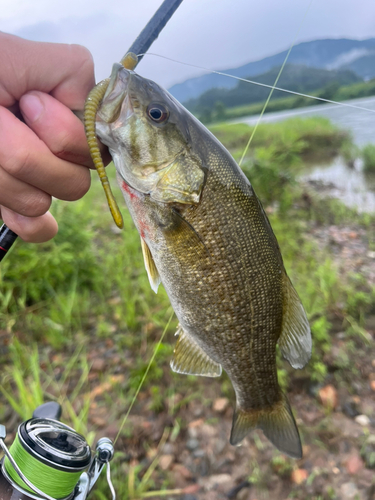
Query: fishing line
[143, 378]
[274, 85]
[300, 94]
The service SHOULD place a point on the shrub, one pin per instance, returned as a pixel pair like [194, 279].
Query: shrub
[368, 155]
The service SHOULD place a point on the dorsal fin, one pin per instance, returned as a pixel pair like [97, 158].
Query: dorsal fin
[190, 359]
[295, 339]
[153, 274]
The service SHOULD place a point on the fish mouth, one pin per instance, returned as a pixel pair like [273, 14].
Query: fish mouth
[117, 92]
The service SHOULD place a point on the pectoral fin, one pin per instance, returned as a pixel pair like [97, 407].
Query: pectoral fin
[190, 359]
[295, 339]
[153, 274]
[179, 233]
[189, 236]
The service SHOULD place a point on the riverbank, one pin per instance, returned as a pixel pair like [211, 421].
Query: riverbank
[357, 92]
[79, 323]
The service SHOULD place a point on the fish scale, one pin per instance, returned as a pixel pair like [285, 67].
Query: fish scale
[230, 282]
[206, 237]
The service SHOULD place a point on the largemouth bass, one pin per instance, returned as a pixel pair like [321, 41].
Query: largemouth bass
[207, 239]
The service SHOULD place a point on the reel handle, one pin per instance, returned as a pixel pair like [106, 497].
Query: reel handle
[51, 409]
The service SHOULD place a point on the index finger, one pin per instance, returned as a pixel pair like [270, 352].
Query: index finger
[64, 71]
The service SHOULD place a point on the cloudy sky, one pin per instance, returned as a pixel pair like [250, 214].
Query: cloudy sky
[216, 34]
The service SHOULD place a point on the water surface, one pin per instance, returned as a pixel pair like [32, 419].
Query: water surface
[351, 185]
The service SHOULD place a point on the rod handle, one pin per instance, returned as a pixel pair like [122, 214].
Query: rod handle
[7, 238]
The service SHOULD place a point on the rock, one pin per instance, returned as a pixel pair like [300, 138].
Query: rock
[182, 471]
[193, 432]
[194, 427]
[168, 449]
[354, 464]
[362, 420]
[219, 445]
[357, 386]
[220, 405]
[328, 397]
[208, 431]
[166, 461]
[299, 476]
[98, 365]
[196, 423]
[192, 444]
[191, 489]
[350, 409]
[199, 453]
[216, 480]
[348, 491]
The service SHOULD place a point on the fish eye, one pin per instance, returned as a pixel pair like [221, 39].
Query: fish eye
[157, 112]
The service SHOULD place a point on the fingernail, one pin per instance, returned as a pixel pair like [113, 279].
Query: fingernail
[31, 107]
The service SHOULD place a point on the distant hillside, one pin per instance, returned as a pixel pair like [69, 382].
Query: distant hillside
[363, 66]
[357, 55]
[295, 77]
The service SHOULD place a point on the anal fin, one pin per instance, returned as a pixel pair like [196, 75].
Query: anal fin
[190, 359]
[152, 272]
[295, 339]
[277, 424]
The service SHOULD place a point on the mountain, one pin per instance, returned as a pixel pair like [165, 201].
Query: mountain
[326, 54]
[363, 66]
[296, 77]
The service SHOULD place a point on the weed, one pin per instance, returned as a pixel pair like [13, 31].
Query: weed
[282, 465]
[25, 386]
[368, 155]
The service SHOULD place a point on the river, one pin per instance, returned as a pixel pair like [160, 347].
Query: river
[351, 185]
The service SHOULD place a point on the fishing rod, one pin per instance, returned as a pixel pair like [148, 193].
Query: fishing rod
[139, 47]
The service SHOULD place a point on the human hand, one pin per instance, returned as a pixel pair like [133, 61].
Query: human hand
[48, 154]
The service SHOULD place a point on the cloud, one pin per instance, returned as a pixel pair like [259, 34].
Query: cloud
[211, 33]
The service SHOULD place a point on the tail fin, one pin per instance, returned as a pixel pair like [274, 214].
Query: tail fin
[277, 423]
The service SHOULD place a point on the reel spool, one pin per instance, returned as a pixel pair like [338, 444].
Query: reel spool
[48, 460]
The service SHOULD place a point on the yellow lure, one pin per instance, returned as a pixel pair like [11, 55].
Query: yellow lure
[92, 104]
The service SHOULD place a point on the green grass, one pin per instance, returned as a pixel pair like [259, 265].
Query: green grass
[368, 155]
[289, 142]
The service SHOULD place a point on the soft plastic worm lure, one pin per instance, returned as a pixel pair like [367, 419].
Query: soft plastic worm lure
[92, 104]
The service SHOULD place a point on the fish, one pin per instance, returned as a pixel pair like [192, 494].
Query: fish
[206, 237]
